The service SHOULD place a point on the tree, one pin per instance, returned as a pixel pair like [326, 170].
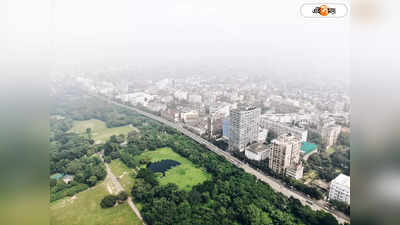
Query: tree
[122, 196]
[107, 159]
[108, 201]
[92, 181]
[89, 132]
[148, 176]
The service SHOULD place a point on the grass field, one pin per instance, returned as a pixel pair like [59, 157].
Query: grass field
[100, 132]
[185, 175]
[123, 174]
[84, 209]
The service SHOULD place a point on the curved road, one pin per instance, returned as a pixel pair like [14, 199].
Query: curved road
[315, 205]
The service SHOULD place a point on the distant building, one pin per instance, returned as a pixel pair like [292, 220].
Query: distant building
[330, 134]
[285, 156]
[156, 107]
[189, 116]
[170, 114]
[181, 95]
[225, 128]
[340, 189]
[244, 123]
[194, 98]
[257, 151]
[282, 128]
[262, 135]
[136, 98]
[167, 99]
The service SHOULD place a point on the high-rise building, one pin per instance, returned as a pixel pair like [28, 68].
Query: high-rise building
[226, 128]
[285, 156]
[340, 189]
[244, 124]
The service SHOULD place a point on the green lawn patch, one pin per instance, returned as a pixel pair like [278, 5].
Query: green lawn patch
[185, 175]
[123, 174]
[330, 151]
[84, 209]
[100, 132]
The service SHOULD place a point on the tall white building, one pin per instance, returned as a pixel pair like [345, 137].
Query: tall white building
[340, 189]
[285, 156]
[244, 123]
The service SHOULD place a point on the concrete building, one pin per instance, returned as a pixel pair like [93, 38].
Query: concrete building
[282, 128]
[330, 134]
[189, 116]
[225, 128]
[136, 98]
[171, 115]
[340, 189]
[285, 156]
[181, 95]
[244, 123]
[156, 106]
[194, 98]
[262, 135]
[257, 151]
[295, 171]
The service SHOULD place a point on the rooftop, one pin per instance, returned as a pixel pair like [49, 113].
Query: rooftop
[308, 147]
[342, 180]
[257, 147]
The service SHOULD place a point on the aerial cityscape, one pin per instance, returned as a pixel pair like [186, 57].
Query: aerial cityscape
[164, 146]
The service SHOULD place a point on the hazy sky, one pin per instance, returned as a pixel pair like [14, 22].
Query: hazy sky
[250, 34]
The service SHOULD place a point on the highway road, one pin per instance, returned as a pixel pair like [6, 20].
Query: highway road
[315, 205]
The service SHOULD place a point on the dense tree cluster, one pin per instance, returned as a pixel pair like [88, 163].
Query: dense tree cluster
[344, 139]
[341, 206]
[330, 166]
[231, 197]
[59, 189]
[109, 200]
[72, 154]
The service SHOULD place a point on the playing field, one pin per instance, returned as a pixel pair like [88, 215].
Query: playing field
[84, 209]
[100, 132]
[123, 174]
[186, 175]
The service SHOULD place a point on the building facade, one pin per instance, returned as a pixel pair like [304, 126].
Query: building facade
[285, 156]
[257, 151]
[244, 125]
[339, 189]
[330, 134]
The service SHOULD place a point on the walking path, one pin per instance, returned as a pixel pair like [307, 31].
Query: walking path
[119, 188]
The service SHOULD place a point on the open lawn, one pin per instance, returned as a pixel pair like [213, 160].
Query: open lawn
[185, 175]
[84, 209]
[330, 151]
[100, 132]
[123, 174]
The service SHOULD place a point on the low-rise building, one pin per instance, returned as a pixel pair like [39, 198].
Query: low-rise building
[257, 151]
[282, 128]
[330, 134]
[295, 171]
[340, 189]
